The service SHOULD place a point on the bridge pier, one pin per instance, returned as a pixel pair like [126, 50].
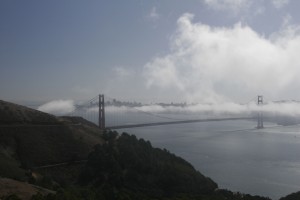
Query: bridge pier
[260, 122]
[101, 117]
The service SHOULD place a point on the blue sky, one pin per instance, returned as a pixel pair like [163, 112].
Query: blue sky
[143, 50]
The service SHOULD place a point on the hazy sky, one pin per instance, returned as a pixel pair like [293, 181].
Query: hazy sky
[143, 50]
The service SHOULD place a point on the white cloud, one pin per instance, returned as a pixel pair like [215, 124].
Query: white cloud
[122, 72]
[231, 5]
[58, 107]
[236, 6]
[287, 108]
[213, 64]
[153, 15]
[279, 3]
[286, 20]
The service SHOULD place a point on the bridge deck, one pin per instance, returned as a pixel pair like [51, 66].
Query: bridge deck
[177, 122]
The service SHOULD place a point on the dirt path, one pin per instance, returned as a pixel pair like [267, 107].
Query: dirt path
[22, 189]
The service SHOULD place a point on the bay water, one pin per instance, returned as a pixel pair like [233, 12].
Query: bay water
[235, 154]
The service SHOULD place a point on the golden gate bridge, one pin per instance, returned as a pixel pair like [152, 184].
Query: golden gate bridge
[109, 113]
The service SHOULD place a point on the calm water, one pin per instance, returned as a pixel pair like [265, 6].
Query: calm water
[235, 155]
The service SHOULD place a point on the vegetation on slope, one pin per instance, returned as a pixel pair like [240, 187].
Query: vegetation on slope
[134, 164]
[293, 196]
[125, 167]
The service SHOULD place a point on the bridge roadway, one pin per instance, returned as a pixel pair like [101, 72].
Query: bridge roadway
[178, 122]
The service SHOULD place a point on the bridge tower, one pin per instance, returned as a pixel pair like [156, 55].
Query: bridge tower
[260, 122]
[101, 112]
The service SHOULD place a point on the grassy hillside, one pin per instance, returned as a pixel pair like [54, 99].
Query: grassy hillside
[30, 138]
[16, 114]
[23, 190]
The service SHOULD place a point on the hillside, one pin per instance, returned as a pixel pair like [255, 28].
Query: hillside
[133, 164]
[293, 196]
[30, 138]
[16, 114]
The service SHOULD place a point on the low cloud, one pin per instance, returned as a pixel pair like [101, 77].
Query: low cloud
[117, 115]
[58, 107]
[227, 108]
[219, 64]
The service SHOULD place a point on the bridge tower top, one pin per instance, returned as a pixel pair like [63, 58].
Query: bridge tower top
[260, 99]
